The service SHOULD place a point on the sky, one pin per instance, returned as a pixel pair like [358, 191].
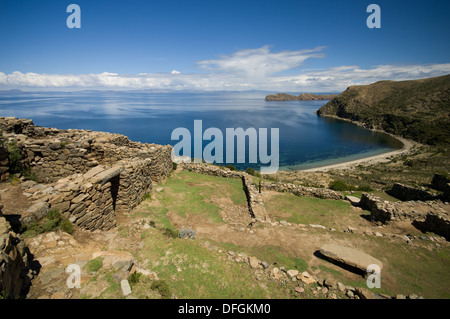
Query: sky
[208, 45]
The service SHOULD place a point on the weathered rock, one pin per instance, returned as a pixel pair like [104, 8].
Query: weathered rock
[353, 200]
[292, 273]
[349, 256]
[265, 264]
[330, 283]
[14, 263]
[341, 287]
[253, 262]
[125, 287]
[364, 293]
[299, 290]
[306, 278]
[35, 213]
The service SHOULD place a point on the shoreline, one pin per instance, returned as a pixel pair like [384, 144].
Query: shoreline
[374, 159]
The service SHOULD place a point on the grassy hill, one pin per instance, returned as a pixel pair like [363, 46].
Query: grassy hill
[416, 109]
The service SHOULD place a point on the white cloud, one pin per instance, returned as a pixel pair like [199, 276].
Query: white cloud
[258, 64]
[250, 69]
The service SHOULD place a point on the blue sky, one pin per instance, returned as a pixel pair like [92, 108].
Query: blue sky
[316, 46]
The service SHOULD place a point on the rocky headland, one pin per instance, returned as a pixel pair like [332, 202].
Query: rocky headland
[417, 109]
[301, 97]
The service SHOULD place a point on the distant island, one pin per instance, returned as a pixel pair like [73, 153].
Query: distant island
[415, 109]
[301, 97]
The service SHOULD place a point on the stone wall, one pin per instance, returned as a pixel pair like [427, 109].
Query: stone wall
[302, 190]
[407, 193]
[53, 154]
[88, 175]
[430, 216]
[4, 162]
[256, 205]
[91, 200]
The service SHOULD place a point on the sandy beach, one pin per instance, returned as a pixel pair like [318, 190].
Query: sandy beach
[380, 158]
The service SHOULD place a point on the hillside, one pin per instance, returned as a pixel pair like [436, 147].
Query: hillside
[416, 109]
[301, 97]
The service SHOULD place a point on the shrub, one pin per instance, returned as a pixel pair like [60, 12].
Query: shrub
[135, 278]
[231, 167]
[169, 232]
[52, 221]
[66, 226]
[174, 166]
[250, 171]
[162, 288]
[365, 188]
[341, 186]
[15, 158]
[28, 174]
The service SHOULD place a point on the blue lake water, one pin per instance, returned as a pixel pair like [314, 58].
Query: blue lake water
[305, 140]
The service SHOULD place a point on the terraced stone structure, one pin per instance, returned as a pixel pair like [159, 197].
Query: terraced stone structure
[88, 175]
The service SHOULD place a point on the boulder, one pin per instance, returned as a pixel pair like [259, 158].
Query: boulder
[353, 200]
[349, 256]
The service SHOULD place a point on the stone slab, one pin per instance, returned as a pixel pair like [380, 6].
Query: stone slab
[349, 256]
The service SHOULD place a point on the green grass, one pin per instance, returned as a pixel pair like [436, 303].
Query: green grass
[53, 221]
[192, 193]
[94, 264]
[192, 271]
[307, 210]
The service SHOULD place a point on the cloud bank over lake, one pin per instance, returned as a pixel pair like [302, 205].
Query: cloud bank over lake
[246, 69]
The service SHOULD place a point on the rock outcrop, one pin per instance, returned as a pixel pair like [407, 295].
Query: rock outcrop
[15, 275]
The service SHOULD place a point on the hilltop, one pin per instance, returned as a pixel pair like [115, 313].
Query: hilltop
[416, 109]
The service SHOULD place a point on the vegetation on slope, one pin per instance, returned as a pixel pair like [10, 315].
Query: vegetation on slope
[417, 109]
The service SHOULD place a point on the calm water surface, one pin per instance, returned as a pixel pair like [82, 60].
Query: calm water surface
[306, 140]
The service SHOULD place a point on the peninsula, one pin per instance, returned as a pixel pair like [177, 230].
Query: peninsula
[301, 97]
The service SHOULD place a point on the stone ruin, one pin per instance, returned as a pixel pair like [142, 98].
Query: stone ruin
[433, 216]
[87, 176]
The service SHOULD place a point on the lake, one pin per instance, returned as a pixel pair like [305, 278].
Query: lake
[305, 140]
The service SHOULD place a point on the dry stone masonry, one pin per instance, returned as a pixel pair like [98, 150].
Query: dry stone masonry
[431, 216]
[88, 175]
